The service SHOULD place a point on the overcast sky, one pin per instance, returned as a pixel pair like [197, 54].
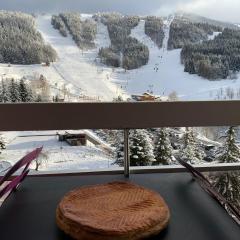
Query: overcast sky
[226, 10]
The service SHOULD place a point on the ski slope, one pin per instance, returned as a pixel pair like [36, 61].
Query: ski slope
[80, 67]
[84, 76]
[164, 73]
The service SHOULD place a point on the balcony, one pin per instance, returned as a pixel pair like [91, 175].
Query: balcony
[194, 214]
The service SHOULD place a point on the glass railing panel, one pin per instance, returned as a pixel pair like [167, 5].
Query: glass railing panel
[63, 151]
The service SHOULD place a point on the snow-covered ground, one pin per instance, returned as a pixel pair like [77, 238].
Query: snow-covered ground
[164, 73]
[85, 76]
[75, 69]
[56, 155]
[79, 67]
[215, 34]
[32, 72]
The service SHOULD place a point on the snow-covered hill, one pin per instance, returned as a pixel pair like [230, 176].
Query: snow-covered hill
[85, 76]
[164, 73]
[79, 67]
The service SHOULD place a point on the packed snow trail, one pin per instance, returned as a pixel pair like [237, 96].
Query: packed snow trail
[164, 72]
[78, 67]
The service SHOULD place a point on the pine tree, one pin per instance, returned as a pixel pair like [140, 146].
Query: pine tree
[2, 144]
[141, 149]
[163, 151]
[30, 96]
[26, 94]
[14, 92]
[38, 98]
[120, 154]
[4, 94]
[230, 153]
[228, 184]
[23, 91]
[191, 152]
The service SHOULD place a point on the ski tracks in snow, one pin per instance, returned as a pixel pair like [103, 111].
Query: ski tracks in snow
[79, 67]
[164, 72]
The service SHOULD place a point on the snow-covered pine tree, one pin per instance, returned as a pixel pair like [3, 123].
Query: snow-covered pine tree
[120, 154]
[31, 96]
[14, 91]
[228, 184]
[163, 150]
[38, 98]
[191, 152]
[141, 148]
[4, 94]
[24, 93]
[2, 144]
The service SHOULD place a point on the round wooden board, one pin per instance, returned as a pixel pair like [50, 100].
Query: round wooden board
[117, 210]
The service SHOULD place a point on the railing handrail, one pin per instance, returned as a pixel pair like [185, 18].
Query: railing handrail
[61, 116]
[124, 115]
[217, 167]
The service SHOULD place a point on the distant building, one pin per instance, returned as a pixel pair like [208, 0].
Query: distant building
[147, 97]
[84, 138]
[78, 139]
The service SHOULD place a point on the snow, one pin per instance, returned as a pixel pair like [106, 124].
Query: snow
[215, 34]
[4, 196]
[31, 72]
[4, 166]
[79, 67]
[76, 69]
[170, 75]
[88, 78]
[60, 156]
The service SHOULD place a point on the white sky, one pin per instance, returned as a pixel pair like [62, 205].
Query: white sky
[225, 10]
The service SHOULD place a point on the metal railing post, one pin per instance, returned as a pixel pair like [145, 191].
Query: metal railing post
[126, 154]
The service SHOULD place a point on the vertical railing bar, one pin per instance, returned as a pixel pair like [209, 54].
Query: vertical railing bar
[126, 154]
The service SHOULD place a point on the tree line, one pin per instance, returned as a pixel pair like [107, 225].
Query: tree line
[183, 32]
[83, 31]
[135, 54]
[13, 91]
[119, 28]
[20, 42]
[154, 147]
[59, 24]
[154, 29]
[215, 59]
[125, 51]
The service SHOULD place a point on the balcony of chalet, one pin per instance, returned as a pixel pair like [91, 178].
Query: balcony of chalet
[30, 212]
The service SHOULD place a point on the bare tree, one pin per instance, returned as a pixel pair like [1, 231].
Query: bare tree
[42, 158]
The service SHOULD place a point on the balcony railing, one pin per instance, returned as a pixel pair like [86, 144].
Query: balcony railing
[124, 116]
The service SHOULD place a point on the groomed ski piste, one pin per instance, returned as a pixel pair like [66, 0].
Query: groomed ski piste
[79, 67]
[165, 74]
